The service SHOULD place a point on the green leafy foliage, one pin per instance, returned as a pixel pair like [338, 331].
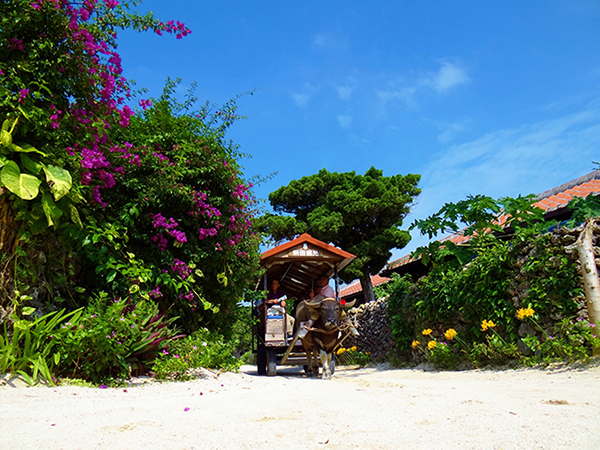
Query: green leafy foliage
[28, 347]
[351, 356]
[102, 203]
[530, 270]
[570, 341]
[113, 339]
[203, 349]
[443, 356]
[494, 351]
[61, 99]
[582, 209]
[482, 221]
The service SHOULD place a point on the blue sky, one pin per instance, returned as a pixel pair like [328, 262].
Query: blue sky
[479, 97]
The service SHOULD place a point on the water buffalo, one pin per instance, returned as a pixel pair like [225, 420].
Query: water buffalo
[325, 333]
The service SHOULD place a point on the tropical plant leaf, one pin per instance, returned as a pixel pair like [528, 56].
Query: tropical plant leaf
[59, 180]
[5, 138]
[31, 165]
[75, 215]
[23, 185]
[52, 212]
[27, 310]
[25, 148]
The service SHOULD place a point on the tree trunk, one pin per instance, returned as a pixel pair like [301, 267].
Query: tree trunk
[367, 289]
[591, 283]
[9, 238]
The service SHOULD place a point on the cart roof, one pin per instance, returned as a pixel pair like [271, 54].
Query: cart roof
[299, 263]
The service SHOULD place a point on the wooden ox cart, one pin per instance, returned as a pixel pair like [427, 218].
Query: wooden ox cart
[297, 265]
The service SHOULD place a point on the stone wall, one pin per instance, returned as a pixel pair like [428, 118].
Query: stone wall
[373, 326]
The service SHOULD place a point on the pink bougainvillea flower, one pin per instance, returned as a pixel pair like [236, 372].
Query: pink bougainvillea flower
[145, 104]
[23, 93]
[15, 44]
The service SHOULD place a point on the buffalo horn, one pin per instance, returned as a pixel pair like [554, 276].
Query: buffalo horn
[350, 305]
[315, 304]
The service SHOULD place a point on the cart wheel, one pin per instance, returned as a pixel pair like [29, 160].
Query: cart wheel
[261, 361]
[271, 363]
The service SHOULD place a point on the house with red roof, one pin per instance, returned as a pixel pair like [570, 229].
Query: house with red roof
[353, 290]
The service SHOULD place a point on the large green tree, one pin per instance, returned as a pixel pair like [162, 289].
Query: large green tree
[361, 214]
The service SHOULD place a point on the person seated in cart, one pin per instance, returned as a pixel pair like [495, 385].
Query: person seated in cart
[323, 290]
[277, 297]
[275, 294]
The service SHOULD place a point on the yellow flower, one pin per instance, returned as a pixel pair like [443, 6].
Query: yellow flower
[367, 353]
[431, 345]
[426, 332]
[340, 351]
[450, 334]
[415, 344]
[525, 312]
[353, 348]
[487, 324]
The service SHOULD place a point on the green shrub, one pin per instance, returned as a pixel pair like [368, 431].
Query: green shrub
[443, 356]
[494, 351]
[351, 356]
[27, 347]
[113, 339]
[202, 349]
[570, 341]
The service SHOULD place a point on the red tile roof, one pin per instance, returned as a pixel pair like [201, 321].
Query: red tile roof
[355, 287]
[549, 201]
[306, 238]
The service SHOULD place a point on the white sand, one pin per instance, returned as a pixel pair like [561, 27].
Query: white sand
[366, 408]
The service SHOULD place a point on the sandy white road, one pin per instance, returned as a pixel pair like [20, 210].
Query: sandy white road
[366, 408]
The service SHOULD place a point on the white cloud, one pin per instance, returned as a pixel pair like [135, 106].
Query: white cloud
[301, 98]
[330, 42]
[528, 159]
[346, 89]
[449, 76]
[450, 131]
[405, 94]
[344, 92]
[319, 40]
[344, 120]
[407, 90]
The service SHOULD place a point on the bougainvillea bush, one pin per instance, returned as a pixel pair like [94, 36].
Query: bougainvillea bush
[183, 214]
[62, 97]
[107, 196]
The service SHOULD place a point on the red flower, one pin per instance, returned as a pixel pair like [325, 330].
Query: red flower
[342, 302]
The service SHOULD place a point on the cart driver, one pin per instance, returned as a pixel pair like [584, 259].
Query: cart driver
[275, 294]
[277, 297]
